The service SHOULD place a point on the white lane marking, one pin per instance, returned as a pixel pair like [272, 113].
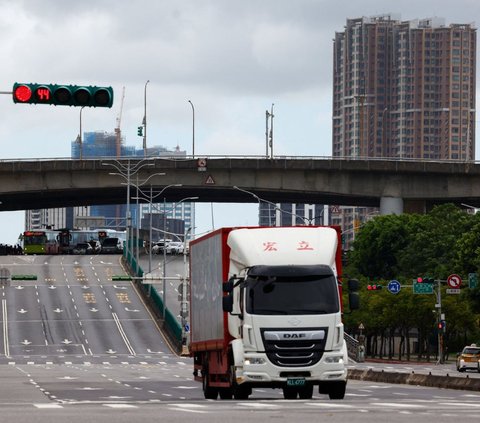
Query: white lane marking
[120, 405]
[6, 346]
[48, 405]
[123, 334]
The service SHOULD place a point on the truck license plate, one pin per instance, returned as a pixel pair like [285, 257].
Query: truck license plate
[296, 382]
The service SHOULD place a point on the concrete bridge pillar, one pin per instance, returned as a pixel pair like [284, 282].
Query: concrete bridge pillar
[391, 205]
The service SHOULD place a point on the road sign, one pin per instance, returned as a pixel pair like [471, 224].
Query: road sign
[453, 291]
[394, 286]
[472, 280]
[454, 281]
[422, 288]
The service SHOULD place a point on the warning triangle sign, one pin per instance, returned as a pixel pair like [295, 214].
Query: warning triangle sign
[209, 180]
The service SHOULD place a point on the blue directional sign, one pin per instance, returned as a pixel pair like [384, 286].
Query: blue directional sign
[187, 328]
[394, 286]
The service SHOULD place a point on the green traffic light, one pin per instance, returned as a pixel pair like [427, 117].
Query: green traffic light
[62, 95]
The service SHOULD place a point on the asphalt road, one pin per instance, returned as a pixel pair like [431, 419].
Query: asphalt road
[73, 312]
[77, 346]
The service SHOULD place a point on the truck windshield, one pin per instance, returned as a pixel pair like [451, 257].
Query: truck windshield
[316, 294]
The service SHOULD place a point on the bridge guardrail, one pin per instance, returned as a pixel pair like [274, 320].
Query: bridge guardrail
[152, 297]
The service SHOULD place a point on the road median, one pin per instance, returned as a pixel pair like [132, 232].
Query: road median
[446, 382]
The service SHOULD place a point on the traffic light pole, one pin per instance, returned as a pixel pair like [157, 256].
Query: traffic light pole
[438, 307]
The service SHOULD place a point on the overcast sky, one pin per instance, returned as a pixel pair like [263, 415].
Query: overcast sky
[232, 59]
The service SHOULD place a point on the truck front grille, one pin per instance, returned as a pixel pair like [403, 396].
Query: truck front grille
[294, 348]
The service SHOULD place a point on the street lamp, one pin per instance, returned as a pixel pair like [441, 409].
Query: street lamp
[164, 246]
[80, 134]
[126, 172]
[150, 201]
[193, 129]
[305, 220]
[145, 120]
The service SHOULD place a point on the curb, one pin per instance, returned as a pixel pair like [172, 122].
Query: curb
[445, 382]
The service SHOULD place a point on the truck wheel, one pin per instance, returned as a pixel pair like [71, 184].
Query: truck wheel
[241, 392]
[225, 393]
[306, 392]
[208, 391]
[337, 390]
[290, 393]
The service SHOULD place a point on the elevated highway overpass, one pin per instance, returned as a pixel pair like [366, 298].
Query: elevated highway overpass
[408, 185]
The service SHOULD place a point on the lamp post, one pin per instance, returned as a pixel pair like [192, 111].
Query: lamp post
[145, 120]
[193, 129]
[164, 246]
[126, 172]
[150, 201]
[305, 220]
[80, 134]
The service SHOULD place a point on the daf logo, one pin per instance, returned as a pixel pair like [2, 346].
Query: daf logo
[294, 335]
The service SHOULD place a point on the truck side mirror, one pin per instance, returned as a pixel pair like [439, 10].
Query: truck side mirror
[227, 303]
[229, 285]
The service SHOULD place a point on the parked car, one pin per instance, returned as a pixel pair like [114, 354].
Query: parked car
[469, 358]
[112, 246]
[159, 246]
[96, 246]
[174, 247]
[82, 248]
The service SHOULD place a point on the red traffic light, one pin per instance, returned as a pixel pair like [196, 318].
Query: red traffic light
[374, 287]
[420, 279]
[22, 93]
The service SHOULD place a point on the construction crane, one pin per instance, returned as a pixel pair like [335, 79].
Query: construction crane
[118, 131]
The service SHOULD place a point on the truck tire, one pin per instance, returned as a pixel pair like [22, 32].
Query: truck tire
[241, 392]
[225, 393]
[290, 393]
[208, 391]
[337, 390]
[305, 392]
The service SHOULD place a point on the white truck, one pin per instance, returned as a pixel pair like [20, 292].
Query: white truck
[266, 311]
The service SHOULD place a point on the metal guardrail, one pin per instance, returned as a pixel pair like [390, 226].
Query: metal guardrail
[353, 347]
[260, 157]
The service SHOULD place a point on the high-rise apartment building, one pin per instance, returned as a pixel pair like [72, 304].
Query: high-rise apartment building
[402, 89]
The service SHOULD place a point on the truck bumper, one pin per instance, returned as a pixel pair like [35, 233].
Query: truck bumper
[257, 369]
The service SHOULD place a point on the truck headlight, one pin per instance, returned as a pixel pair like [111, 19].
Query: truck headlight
[254, 360]
[334, 359]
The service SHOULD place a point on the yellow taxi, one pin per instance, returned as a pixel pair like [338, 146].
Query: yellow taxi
[469, 358]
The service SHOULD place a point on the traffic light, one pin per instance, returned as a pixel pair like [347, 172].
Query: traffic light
[62, 95]
[425, 279]
[140, 131]
[442, 325]
[374, 287]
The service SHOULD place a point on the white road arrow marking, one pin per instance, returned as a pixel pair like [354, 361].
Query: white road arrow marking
[110, 351]
[52, 287]
[19, 287]
[57, 310]
[22, 311]
[134, 311]
[67, 378]
[25, 342]
[94, 310]
[66, 341]
[119, 287]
